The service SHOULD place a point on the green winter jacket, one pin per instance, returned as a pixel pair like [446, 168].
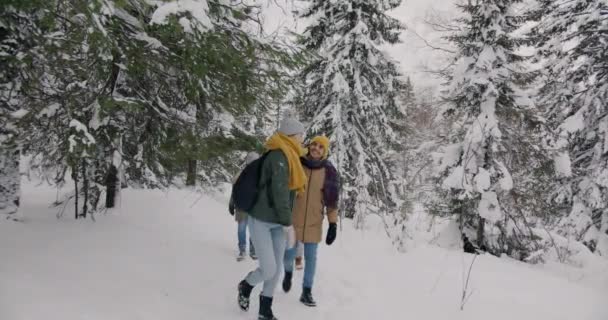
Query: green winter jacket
[275, 200]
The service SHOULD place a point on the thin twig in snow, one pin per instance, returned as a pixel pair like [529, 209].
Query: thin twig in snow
[197, 200]
[60, 213]
[441, 273]
[466, 297]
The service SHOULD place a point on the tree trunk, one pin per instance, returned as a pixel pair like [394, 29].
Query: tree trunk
[191, 174]
[115, 72]
[10, 183]
[480, 232]
[75, 178]
[111, 185]
[85, 189]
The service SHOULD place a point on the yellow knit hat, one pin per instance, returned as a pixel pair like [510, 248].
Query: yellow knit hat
[324, 141]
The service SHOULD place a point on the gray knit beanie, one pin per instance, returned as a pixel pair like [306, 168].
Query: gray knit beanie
[291, 127]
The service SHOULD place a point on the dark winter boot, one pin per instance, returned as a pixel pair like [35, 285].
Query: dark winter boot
[252, 251]
[241, 255]
[244, 293]
[306, 298]
[266, 309]
[287, 281]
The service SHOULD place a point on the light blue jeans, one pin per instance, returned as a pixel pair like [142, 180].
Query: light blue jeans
[242, 236]
[310, 262]
[269, 241]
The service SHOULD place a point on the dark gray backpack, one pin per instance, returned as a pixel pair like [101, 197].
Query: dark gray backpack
[246, 188]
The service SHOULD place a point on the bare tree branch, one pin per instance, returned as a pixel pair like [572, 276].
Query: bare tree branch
[428, 44]
[438, 23]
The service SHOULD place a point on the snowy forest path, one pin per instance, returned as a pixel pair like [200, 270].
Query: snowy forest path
[165, 255]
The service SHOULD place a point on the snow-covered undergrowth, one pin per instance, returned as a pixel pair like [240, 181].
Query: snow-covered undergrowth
[422, 228]
[164, 255]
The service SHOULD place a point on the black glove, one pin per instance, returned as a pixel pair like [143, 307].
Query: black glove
[231, 208]
[331, 234]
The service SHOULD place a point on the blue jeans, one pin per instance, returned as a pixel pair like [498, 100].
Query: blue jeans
[242, 236]
[310, 262]
[270, 241]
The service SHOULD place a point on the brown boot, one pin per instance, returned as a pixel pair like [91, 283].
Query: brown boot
[299, 265]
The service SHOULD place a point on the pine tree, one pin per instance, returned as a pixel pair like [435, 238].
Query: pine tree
[233, 78]
[19, 27]
[77, 113]
[573, 44]
[350, 94]
[496, 170]
[138, 91]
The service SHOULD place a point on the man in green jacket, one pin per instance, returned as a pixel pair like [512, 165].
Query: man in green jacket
[282, 176]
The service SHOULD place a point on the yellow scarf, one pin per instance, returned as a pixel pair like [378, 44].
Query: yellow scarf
[293, 151]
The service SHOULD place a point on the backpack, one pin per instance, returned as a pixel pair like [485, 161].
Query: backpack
[245, 189]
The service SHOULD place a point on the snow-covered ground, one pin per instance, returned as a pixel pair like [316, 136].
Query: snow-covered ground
[161, 257]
